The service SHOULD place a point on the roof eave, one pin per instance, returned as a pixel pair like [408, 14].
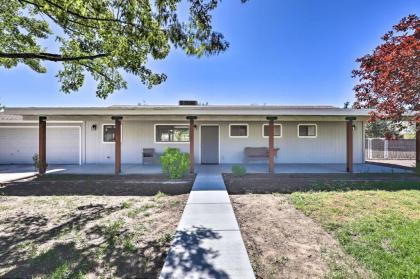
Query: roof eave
[185, 110]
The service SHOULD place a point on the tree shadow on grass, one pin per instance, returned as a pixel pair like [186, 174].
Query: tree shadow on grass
[99, 250]
[63, 260]
[188, 255]
[22, 234]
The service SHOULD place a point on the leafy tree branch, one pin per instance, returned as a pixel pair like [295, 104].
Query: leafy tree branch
[104, 38]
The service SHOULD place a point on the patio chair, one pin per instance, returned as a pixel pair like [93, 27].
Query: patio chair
[150, 156]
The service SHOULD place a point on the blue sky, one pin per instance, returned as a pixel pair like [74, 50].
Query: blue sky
[281, 52]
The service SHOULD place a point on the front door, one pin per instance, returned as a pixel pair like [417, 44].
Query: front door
[209, 144]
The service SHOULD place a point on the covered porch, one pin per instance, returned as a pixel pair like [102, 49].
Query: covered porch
[306, 139]
[263, 147]
[13, 172]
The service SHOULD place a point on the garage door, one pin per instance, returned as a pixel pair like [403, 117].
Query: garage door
[19, 144]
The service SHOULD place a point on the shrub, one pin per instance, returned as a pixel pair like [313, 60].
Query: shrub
[126, 204]
[36, 162]
[128, 244]
[112, 232]
[238, 170]
[174, 163]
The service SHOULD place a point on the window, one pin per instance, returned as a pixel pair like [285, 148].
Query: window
[108, 133]
[238, 130]
[307, 131]
[277, 130]
[172, 133]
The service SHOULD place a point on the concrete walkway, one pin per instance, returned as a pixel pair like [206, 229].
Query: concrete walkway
[208, 242]
[394, 163]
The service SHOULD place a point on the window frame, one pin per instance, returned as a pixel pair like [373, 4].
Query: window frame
[308, 124]
[239, 124]
[103, 130]
[169, 124]
[275, 124]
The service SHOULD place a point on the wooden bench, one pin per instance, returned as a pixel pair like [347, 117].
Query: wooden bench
[257, 153]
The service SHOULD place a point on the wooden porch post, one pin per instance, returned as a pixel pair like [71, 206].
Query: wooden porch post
[192, 128]
[42, 147]
[271, 143]
[349, 141]
[418, 145]
[117, 120]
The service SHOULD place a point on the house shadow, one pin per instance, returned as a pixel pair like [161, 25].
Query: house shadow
[189, 257]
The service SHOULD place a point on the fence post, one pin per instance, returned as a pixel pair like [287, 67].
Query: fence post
[370, 149]
[385, 149]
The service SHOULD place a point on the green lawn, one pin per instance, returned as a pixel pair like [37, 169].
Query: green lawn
[381, 229]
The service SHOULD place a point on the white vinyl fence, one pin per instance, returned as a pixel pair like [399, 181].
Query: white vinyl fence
[377, 148]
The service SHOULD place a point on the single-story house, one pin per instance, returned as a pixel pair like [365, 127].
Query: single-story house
[212, 134]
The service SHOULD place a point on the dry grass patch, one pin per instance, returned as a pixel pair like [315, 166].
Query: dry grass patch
[284, 243]
[86, 236]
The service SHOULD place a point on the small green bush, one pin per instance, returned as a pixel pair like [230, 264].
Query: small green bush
[128, 244]
[36, 162]
[112, 232]
[238, 170]
[174, 163]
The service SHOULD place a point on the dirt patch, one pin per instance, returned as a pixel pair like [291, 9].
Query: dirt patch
[284, 243]
[379, 228]
[109, 185]
[86, 236]
[288, 183]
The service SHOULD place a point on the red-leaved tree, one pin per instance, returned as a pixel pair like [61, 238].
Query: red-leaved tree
[389, 78]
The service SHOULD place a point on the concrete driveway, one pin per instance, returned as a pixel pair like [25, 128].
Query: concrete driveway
[15, 172]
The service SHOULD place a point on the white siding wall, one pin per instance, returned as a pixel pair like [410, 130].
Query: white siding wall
[328, 147]
[136, 135]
